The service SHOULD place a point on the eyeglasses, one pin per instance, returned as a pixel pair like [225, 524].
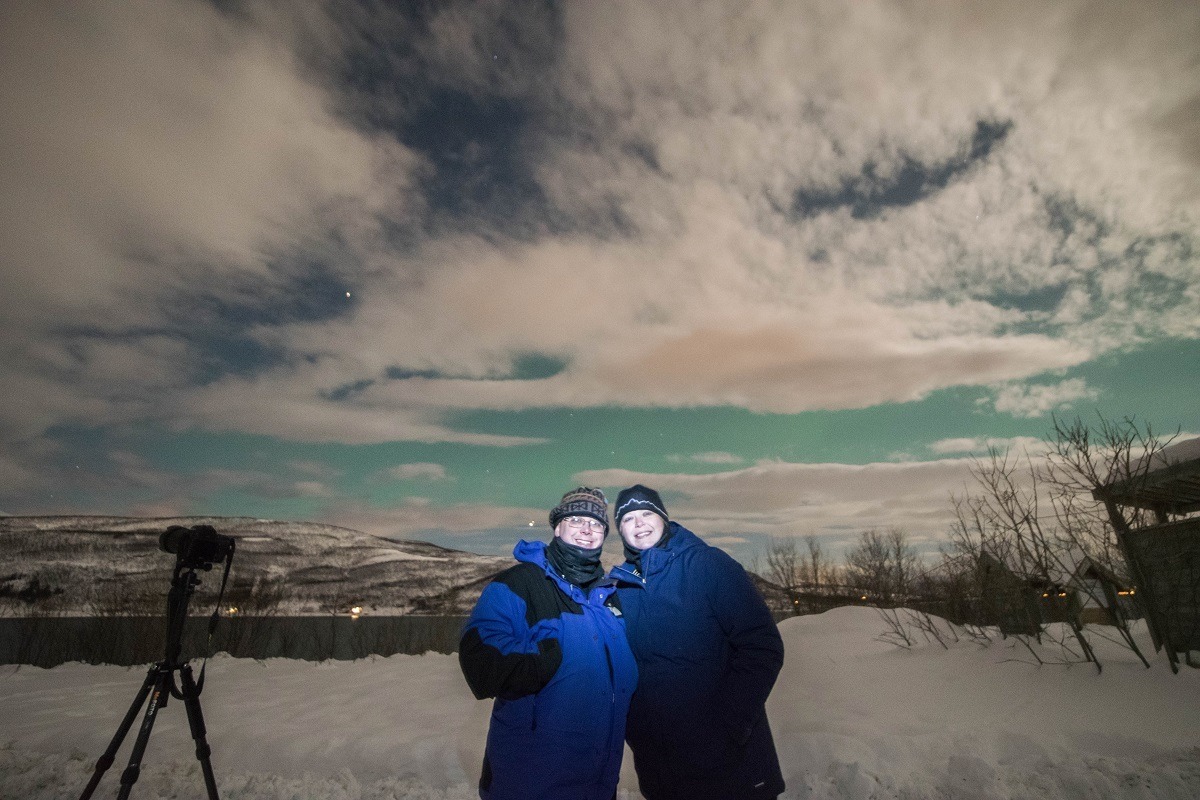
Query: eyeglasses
[579, 523]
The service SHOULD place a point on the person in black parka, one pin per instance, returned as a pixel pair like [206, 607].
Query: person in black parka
[547, 640]
[708, 652]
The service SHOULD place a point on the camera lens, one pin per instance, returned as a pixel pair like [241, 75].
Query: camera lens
[172, 540]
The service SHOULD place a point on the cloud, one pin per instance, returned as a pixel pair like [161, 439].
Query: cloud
[783, 208]
[289, 404]
[980, 445]
[420, 471]
[158, 149]
[1037, 400]
[706, 458]
[831, 501]
[749, 306]
[155, 140]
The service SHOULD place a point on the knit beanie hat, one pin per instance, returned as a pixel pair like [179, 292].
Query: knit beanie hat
[581, 502]
[638, 496]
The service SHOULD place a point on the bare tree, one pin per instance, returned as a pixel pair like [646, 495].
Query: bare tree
[783, 564]
[1082, 462]
[257, 596]
[905, 563]
[1039, 516]
[882, 564]
[814, 570]
[867, 565]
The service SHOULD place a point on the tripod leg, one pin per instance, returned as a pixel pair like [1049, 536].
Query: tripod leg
[191, 700]
[158, 698]
[105, 761]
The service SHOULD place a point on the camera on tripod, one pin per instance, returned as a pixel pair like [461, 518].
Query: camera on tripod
[194, 548]
[198, 547]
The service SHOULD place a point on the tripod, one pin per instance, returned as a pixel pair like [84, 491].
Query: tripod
[160, 686]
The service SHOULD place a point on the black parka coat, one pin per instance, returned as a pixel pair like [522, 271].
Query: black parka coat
[708, 652]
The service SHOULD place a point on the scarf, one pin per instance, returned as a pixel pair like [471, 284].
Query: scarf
[580, 567]
[634, 556]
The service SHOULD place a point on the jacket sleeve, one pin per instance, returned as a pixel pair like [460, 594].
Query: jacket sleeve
[500, 654]
[755, 646]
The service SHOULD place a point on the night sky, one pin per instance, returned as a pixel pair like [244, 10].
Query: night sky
[419, 272]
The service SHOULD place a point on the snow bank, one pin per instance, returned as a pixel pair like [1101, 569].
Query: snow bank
[854, 719]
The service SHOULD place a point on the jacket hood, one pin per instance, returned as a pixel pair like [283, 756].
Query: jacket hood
[680, 539]
[531, 552]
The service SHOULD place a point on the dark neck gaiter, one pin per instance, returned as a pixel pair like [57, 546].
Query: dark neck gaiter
[634, 556]
[580, 567]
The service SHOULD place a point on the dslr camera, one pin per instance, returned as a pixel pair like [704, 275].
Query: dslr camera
[198, 547]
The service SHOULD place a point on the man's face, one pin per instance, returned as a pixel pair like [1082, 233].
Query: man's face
[642, 528]
[582, 532]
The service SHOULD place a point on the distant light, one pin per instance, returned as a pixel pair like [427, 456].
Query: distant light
[532, 523]
[864, 597]
[229, 612]
[356, 612]
[347, 294]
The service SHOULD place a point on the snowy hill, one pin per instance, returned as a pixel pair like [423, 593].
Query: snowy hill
[90, 564]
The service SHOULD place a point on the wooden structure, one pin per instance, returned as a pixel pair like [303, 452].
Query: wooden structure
[1018, 605]
[1103, 598]
[1163, 558]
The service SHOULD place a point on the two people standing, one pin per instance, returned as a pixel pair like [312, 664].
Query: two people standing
[561, 646]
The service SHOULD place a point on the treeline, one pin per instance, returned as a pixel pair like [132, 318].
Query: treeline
[1032, 545]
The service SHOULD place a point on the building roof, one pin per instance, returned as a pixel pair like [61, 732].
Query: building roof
[1169, 481]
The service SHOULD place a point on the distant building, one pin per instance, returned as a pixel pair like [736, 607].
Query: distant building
[1102, 597]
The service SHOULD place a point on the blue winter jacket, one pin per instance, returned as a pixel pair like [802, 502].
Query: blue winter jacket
[556, 659]
[708, 652]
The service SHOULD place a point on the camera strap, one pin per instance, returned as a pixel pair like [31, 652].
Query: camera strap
[216, 615]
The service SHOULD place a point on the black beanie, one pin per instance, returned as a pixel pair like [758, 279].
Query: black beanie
[638, 496]
[581, 502]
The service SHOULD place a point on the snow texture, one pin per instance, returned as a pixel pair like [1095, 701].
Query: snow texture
[854, 719]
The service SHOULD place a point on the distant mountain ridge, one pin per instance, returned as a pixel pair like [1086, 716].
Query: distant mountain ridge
[108, 565]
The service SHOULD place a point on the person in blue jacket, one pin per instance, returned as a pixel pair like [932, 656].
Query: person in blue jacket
[708, 652]
[547, 640]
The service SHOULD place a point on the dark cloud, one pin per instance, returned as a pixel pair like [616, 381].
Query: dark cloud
[404, 374]
[536, 366]
[902, 181]
[522, 366]
[479, 164]
[463, 85]
[348, 390]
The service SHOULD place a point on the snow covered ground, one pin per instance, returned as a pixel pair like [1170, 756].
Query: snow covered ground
[853, 718]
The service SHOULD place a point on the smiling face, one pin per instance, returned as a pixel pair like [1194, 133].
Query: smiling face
[642, 528]
[583, 532]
